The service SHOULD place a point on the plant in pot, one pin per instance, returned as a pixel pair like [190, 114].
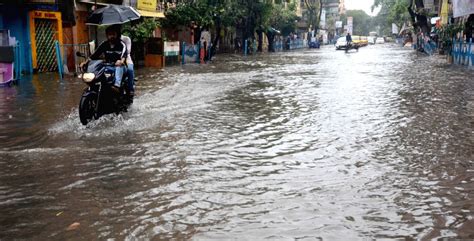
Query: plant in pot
[446, 35]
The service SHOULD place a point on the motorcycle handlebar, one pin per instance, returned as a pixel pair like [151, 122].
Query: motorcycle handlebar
[83, 66]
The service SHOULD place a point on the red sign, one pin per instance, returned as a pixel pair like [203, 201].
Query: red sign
[47, 15]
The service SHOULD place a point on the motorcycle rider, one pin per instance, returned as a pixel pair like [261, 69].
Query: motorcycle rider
[115, 52]
[349, 40]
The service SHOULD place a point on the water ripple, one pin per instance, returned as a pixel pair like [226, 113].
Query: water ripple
[304, 145]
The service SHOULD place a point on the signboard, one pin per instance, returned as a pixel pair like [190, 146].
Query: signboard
[462, 8]
[171, 48]
[338, 24]
[394, 28]
[46, 15]
[322, 23]
[148, 5]
[349, 25]
[191, 54]
[429, 4]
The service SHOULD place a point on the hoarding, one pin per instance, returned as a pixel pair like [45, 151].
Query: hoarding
[171, 48]
[394, 28]
[148, 5]
[349, 25]
[323, 19]
[462, 8]
[429, 4]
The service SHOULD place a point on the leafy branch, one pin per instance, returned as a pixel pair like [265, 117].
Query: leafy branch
[447, 33]
[142, 31]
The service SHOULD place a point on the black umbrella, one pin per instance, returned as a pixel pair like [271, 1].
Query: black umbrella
[112, 14]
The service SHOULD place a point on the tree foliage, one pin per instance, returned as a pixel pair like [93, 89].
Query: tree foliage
[314, 8]
[283, 19]
[392, 11]
[185, 13]
[402, 11]
[141, 31]
[362, 22]
[446, 35]
[247, 17]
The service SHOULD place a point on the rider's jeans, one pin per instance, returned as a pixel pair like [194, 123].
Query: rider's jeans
[118, 74]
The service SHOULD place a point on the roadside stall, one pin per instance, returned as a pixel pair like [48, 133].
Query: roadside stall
[8, 58]
[154, 53]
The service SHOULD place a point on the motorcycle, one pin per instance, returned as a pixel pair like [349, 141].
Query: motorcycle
[99, 98]
[314, 44]
[351, 46]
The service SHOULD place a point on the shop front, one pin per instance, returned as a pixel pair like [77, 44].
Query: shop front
[15, 32]
[45, 29]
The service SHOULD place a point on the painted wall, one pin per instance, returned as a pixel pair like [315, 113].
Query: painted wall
[15, 19]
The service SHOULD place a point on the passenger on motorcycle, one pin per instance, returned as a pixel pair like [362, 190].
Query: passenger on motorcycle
[115, 52]
[130, 72]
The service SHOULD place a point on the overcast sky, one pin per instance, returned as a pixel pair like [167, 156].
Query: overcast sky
[361, 4]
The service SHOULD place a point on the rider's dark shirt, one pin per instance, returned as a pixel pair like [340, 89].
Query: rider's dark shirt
[111, 54]
[348, 38]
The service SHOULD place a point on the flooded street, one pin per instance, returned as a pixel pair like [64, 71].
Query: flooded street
[302, 145]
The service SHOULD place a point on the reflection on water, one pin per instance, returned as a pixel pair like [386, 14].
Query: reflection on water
[316, 145]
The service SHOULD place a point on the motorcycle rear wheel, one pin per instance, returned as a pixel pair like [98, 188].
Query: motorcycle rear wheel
[87, 108]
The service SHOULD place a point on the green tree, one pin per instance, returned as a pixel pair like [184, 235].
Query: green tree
[248, 16]
[401, 11]
[392, 11]
[202, 14]
[314, 8]
[139, 33]
[331, 24]
[362, 22]
[281, 19]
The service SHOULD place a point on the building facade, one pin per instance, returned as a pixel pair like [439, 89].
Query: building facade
[36, 25]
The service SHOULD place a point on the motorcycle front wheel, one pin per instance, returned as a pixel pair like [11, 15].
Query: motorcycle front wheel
[87, 108]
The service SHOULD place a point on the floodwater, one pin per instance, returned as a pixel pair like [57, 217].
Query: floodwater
[301, 145]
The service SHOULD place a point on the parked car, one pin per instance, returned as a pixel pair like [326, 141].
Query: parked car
[360, 41]
[364, 40]
[341, 43]
[371, 39]
[380, 40]
[314, 44]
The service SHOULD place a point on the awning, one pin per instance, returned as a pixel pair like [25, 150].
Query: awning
[151, 14]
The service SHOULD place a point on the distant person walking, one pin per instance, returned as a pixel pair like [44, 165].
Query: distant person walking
[205, 41]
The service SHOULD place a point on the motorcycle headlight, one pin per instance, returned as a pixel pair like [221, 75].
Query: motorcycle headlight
[88, 77]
